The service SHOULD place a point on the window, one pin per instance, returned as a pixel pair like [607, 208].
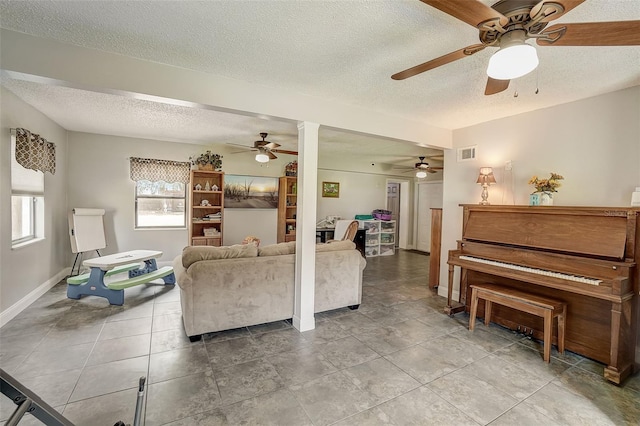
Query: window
[160, 204]
[27, 202]
[160, 192]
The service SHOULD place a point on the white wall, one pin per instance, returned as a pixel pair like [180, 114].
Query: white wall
[27, 272]
[594, 143]
[240, 223]
[359, 194]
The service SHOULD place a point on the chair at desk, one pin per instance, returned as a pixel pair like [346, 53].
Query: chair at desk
[346, 228]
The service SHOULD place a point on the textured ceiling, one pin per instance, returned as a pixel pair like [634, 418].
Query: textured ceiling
[342, 50]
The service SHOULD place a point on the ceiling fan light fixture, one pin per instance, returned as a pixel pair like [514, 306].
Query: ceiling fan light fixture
[261, 157]
[514, 59]
[420, 174]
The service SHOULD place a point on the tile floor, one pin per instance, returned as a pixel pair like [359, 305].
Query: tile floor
[397, 360]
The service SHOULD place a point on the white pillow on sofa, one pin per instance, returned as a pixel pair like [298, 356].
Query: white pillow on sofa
[193, 254]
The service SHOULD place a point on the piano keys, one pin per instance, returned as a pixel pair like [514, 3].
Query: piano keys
[585, 256]
[516, 267]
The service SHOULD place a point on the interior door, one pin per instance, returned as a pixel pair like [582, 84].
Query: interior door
[393, 205]
[429, 196]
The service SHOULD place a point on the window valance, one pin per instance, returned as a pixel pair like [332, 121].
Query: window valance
[34, 152]
[159, 170]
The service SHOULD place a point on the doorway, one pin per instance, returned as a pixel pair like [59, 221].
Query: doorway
[393, 205]
[397, 204]
[429, 196]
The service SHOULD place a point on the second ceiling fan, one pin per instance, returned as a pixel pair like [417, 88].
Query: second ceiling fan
[507, 24]
[421, 168]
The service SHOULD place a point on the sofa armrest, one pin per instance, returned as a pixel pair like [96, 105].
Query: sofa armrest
[182, 278]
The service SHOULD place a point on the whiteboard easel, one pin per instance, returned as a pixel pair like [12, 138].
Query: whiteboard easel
[86, 231]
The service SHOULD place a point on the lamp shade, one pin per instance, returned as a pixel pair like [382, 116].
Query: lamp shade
[261, 157]
[512, 62]
[486, 176]
[421, 174]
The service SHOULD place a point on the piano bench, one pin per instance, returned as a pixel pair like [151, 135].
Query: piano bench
[522, 301]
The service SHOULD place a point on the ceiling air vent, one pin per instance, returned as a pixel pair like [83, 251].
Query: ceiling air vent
[466, 154]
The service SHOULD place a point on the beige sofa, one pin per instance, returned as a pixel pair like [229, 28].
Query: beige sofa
[229, 287]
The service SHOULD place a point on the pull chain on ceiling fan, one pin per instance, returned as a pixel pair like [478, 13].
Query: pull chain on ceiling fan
[507, 24]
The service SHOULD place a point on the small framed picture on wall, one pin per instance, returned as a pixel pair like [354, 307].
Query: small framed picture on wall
[331, 189]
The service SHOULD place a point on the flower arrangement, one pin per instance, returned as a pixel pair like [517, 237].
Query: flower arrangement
[546, 185]
[207, 161]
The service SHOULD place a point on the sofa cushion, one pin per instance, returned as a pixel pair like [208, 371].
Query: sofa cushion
[278, 249]
[193, 254]
[336, 246]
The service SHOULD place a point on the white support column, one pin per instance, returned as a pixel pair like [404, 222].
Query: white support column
[303, 312]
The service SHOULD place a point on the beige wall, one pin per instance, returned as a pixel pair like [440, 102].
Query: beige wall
[31, 269]
[594, 143]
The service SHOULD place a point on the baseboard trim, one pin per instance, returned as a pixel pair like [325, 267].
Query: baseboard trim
[442, 291]
[12, 311]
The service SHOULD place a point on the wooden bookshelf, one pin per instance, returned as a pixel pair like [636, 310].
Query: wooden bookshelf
[287, 207]
[210, 184]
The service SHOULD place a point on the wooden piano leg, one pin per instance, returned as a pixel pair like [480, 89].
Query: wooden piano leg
[621, 362]
[452, 307]
[447, 309]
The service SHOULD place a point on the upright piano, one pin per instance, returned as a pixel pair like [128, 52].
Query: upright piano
[588, 257]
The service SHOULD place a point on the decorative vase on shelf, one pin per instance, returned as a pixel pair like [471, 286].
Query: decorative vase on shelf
[544, 189]
[546, 199]
[541, 199]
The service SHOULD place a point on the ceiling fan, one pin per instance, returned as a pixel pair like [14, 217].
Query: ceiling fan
[422, 168]
[266, 149]
[507, 24]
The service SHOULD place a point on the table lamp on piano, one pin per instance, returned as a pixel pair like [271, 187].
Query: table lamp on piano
[485, 178]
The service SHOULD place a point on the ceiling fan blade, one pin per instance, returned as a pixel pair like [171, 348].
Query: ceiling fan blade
[270, 145]
[551, 11]
[436, 157]
[242, 146]
[431, 170]
[618, 33]
[436, 168]
[285, 151]
[471, 12]
[496, 86]
[271, 155]
[442, 60]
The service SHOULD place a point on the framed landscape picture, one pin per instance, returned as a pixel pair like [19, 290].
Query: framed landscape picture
[250, 192]
[331, 189]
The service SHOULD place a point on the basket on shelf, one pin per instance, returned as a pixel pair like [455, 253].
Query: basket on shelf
[381, 214]
[211, 232]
